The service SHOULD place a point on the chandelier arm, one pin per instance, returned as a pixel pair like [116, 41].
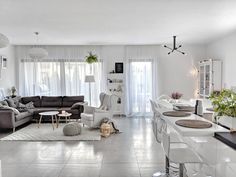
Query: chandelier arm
[168, 47]
[180, 51]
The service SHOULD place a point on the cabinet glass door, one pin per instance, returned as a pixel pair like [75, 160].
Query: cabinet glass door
[207, 79]
[202, 80]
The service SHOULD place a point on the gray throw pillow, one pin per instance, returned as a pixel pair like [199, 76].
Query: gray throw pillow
[30, 105]
[11, 103]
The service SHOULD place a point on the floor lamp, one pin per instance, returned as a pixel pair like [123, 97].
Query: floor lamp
[89, 79]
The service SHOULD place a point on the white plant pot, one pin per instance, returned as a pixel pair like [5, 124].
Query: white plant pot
[228, 121]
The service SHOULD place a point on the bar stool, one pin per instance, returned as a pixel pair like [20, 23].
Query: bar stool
[179, 153]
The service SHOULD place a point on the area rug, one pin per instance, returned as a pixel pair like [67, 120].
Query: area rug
[46, 133]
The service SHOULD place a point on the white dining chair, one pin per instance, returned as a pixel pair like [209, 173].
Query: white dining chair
[179, 153]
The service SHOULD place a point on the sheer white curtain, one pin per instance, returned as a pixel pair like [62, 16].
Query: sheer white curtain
[41, 78]
[140, 87]
[141, 78]
[60, 77]
[75, 73]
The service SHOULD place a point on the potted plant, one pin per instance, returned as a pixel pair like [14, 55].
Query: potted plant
[224, 104]
[91, 58]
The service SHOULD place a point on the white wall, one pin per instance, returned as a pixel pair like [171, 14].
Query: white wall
[8, 75]
[225, 50]
[175, 70]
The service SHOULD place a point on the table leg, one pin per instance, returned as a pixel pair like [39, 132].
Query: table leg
[52, 123]
[66, 119]
[58, 120]
[40, 119]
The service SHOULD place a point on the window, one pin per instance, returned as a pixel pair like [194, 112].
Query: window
[55, 78]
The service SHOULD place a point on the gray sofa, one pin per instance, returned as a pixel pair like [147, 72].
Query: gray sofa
[71, 104]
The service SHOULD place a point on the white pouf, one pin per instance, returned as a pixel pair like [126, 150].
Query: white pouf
[72, 129]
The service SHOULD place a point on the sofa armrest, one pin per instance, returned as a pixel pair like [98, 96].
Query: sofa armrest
[7, 118]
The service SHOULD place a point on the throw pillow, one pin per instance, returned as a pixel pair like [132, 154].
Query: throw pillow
[30, 105]
[4, 103]
[16, 112]
[11, 102]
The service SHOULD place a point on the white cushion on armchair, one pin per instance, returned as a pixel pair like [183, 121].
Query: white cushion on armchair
[92, 116]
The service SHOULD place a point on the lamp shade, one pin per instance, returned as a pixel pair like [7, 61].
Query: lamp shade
[4, 41]
[37, 53]
[89, 78]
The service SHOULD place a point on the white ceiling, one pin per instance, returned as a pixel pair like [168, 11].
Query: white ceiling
[74, 22]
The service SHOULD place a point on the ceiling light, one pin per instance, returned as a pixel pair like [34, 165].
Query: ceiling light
[174, 47]
[4, 41]
[37, 52]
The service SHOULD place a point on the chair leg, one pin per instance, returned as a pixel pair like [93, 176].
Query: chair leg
[14, 129]
[167, 165]
[181, 170]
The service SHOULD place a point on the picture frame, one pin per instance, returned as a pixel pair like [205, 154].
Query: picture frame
[4, 62]
[119, 67]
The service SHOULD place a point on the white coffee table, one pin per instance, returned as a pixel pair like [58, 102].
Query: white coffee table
[65, 115]
[53, 115]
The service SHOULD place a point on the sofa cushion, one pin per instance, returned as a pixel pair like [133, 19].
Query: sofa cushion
[35, 99]
[68, 101]
[51, 101]
[23, 115]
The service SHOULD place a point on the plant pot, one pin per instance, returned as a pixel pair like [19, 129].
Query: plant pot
[228, 121]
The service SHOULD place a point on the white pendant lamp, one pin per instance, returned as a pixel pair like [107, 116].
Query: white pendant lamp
[4, 41]
[37, 52]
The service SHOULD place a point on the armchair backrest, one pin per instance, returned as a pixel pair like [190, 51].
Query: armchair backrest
[107, 102]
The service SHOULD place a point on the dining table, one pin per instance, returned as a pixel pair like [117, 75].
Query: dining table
[219, 160]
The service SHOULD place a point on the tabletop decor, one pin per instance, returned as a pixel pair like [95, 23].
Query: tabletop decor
[224, 104]
[176, 96]
[176, 114]
[190, 123]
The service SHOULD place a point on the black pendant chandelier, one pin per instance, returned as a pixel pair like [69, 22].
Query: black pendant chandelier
[174, 47]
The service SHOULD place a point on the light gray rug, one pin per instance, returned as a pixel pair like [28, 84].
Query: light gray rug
[46, 133]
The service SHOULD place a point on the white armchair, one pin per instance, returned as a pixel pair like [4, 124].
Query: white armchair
[92, 116]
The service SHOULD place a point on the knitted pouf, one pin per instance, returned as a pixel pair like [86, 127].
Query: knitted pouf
[72, 129]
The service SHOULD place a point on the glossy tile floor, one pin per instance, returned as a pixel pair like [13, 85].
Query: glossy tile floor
[133, 153]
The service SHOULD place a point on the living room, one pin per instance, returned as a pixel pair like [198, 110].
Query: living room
[60, 60]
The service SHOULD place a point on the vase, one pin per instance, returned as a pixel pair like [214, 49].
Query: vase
[228, 121]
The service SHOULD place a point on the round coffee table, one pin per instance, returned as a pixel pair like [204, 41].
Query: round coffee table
[65, 115]
[49, 113]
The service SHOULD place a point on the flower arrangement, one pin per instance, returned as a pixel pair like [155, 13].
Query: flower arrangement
[13, 91]
[224, 102]
[176, 95]
[91, 58]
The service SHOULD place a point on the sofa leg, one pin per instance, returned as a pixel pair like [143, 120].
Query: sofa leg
[14, 129]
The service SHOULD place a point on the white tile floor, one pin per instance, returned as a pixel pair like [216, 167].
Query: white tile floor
[133, 153]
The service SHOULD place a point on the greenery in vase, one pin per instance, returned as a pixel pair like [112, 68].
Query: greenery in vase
[224, 102]
[91, 58]
[13, 90]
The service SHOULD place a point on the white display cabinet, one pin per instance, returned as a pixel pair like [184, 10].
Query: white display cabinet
[210, 77]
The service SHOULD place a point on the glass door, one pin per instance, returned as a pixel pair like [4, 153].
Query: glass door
[140, 87]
